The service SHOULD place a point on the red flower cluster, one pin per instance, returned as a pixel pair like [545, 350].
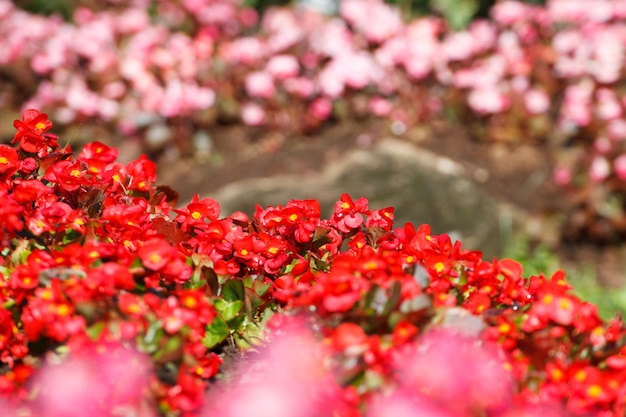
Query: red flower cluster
[95, 256]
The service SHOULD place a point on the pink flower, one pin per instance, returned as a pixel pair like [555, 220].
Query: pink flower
[507, 12]
[260, 84]
[457, 372]
[488, 100]
[302, 87]
[602, 145]
[375, 19]
[103, 379]
[599, 169]
[380, 106]
[401, 404]
[619, 166]
[321, 108]
[282, 67]
[562, 176]
[536, 101]
[616, 129]
[286, 380]
[244, 50]
[252, 114]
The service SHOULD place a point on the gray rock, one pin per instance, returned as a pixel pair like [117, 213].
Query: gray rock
[423, 188]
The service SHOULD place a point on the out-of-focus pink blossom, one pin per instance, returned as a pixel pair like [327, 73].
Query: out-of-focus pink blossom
[321, 108]
[602, 145]
[599, 169]
[282, 67]
[283, 27]
[616, 129]
[301, 86]
[260, 84]
[562, 176]
[457, 372]
[536, 101]
[244, 50]
[287, 380]
[488, 100]
[458, 46]
[375, 19]
[607, 105]
[253, 115]
[507, 12]
[380, 106]
[619, 166]
[576, 106]
[104, 379]
[578, 11]
[401, 404]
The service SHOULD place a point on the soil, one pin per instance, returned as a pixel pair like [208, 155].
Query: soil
[519, 175]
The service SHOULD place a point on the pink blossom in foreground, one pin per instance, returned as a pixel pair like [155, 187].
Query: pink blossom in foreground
[104, 379]
[286, 380]
[456, 372]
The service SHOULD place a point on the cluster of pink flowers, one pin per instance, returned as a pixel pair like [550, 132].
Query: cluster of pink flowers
[114, 302]
[548, 75]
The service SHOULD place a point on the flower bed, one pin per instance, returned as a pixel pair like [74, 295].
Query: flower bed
[118, 303]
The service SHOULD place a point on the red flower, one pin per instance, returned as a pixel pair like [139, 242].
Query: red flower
[348, 213]
[31, 133]
[8, 162]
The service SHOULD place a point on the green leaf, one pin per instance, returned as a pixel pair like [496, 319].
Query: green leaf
[171, 349]
[261, 288]
[233, 290]
[228, 309]
[394, 298]
[216, 332]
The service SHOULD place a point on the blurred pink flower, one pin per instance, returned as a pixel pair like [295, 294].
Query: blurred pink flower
[131, 20]
[616, 129]
[607, 105]
[562, 176]
[284, 27]
[252, 114]
[536, 101]
[260, 84]
[456, 372]
[375, 19]
[244, 50]
[576, 106]
[458, 46]
[602, 145]
[599, 169]
[104, 379]
[301, 86]
[286, 380]
[619, 166]
[321, 108]
[282, 67]
[400, 404]
[507, 12]
[380, 106]
[578, 11]
[488, 100]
